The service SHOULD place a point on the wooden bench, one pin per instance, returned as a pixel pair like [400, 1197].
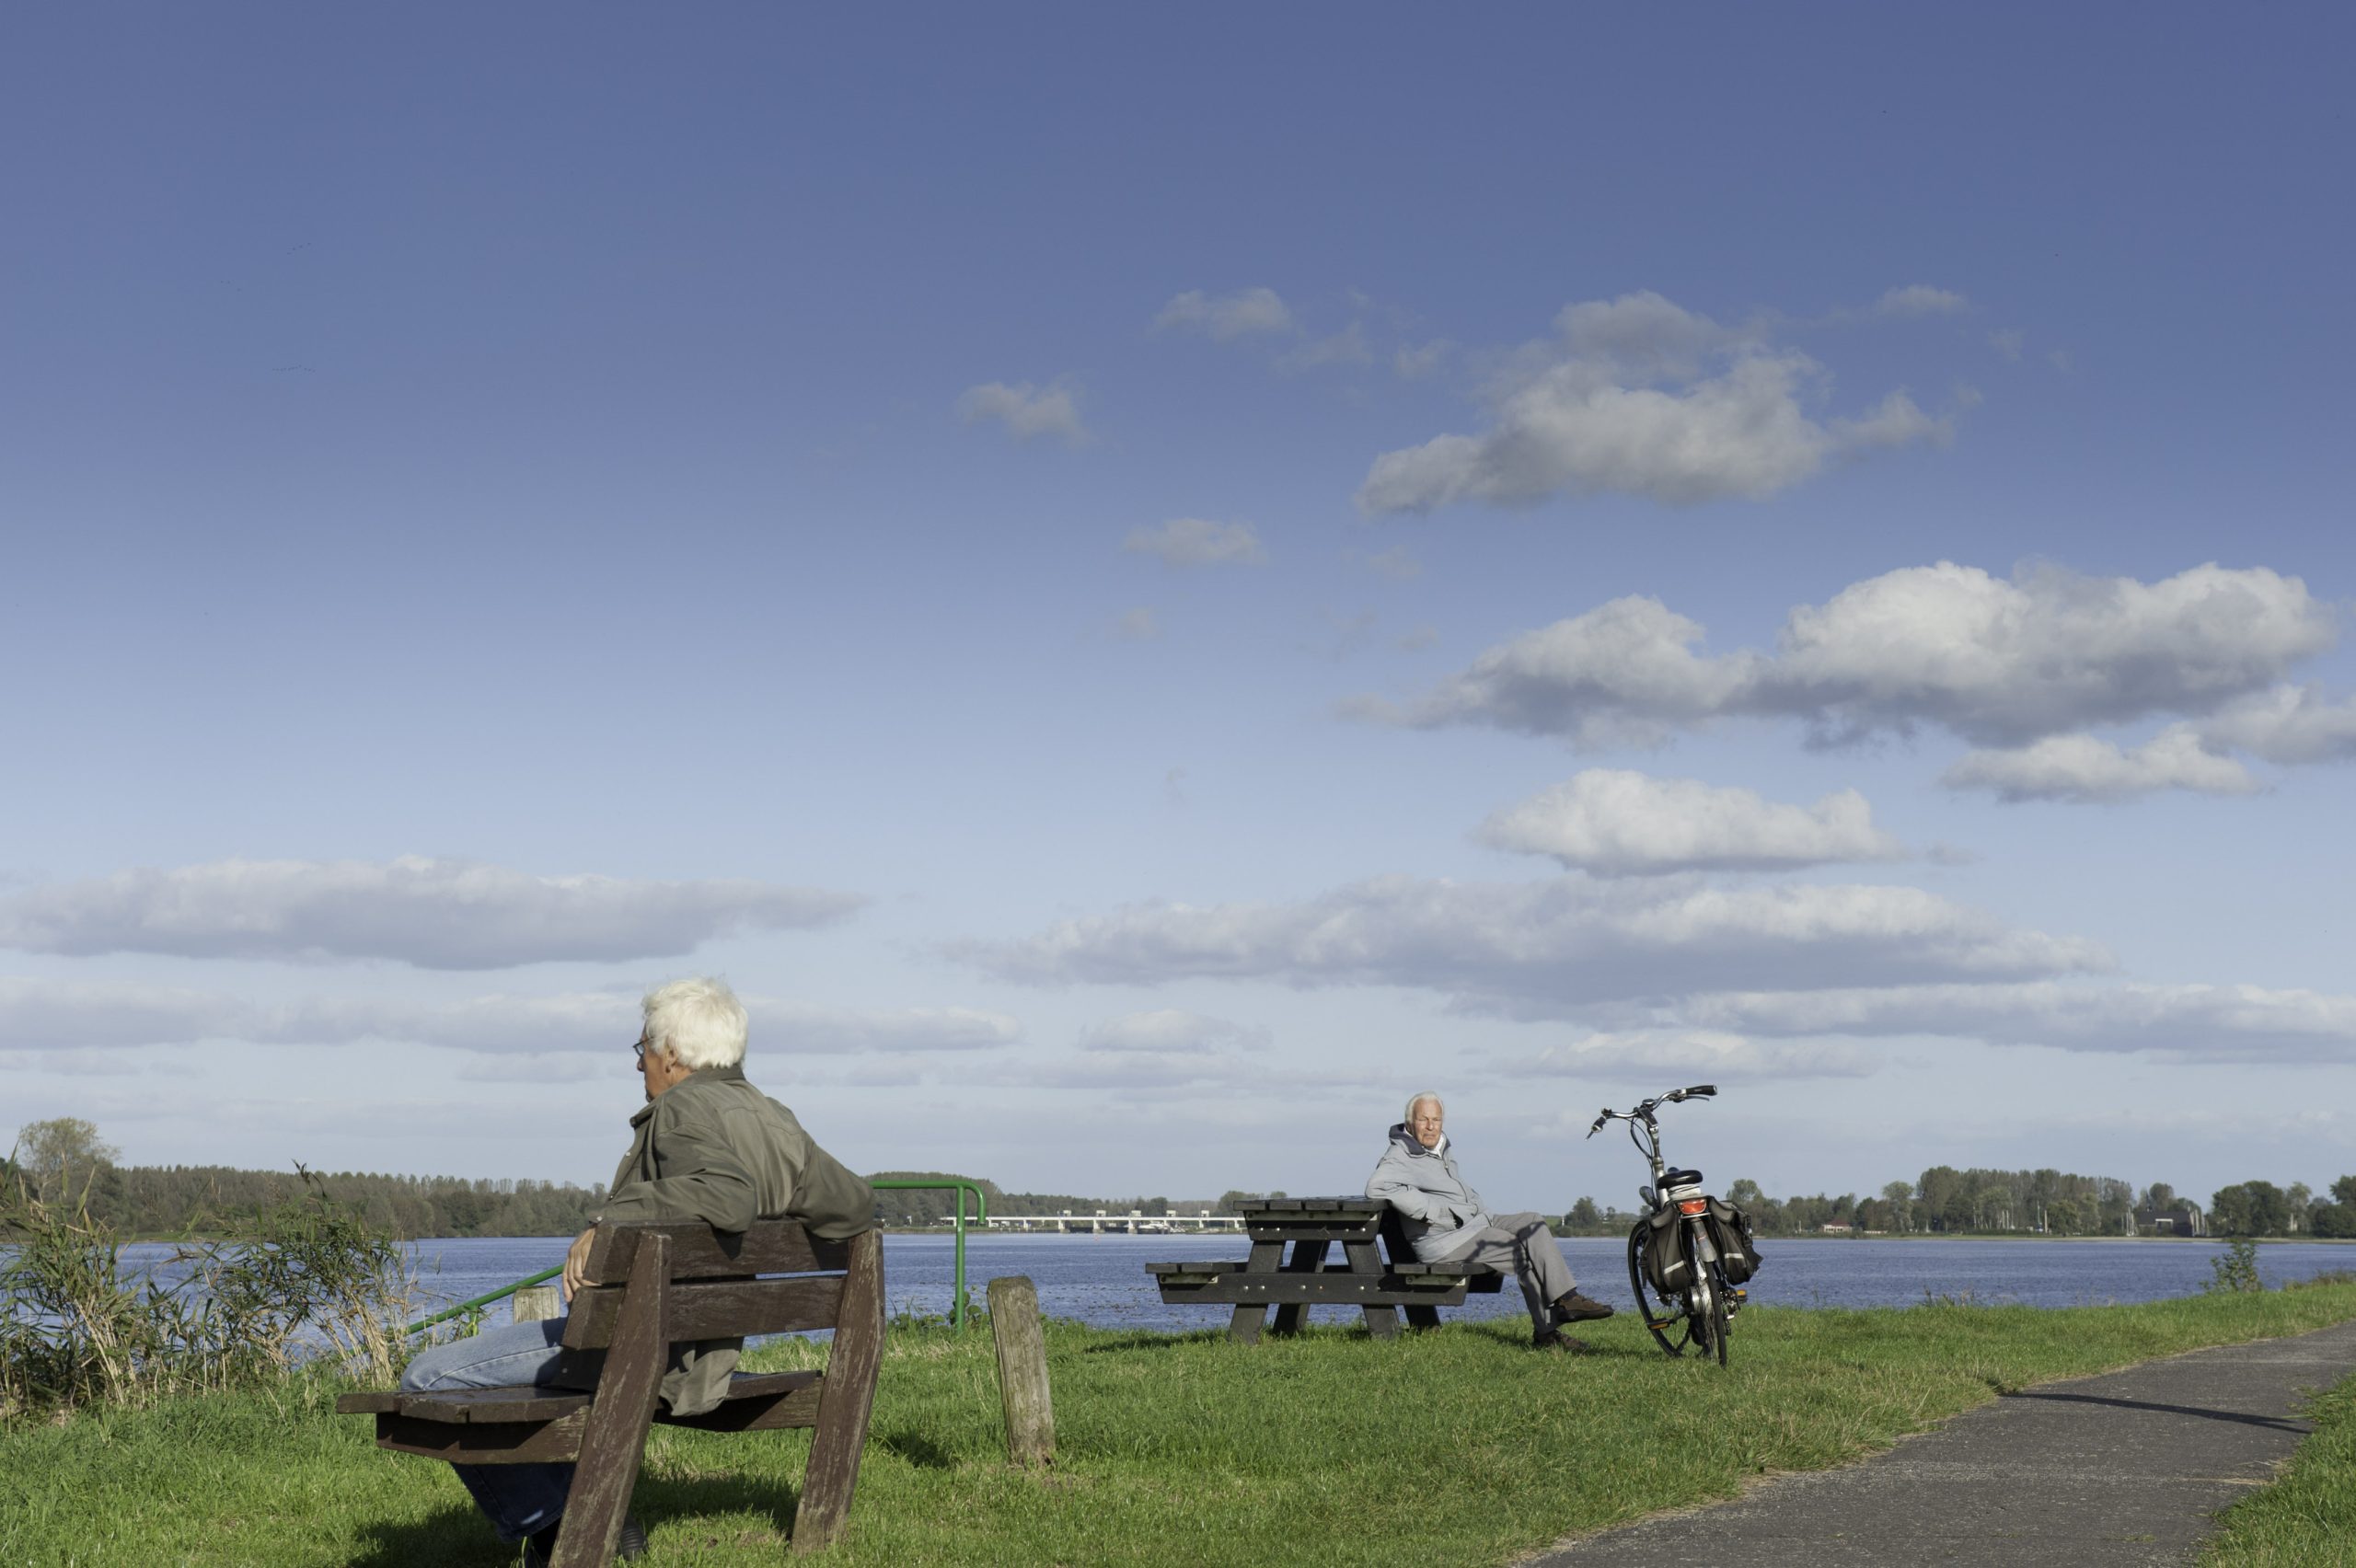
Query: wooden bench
[652, 1284]
[1292, 1283]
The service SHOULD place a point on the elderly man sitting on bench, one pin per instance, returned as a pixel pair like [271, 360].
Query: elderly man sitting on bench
[706, 1147]
[1447, 1224]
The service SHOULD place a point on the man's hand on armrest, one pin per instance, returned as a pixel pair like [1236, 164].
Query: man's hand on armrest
[576, 1262]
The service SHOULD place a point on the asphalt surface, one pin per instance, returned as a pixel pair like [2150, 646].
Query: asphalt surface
[2128, 1468]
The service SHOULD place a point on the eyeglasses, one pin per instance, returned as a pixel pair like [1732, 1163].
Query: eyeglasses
[639, 1046]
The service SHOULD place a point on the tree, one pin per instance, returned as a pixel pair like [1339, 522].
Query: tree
[2248, 1208]
[55, 1153]
[1584, 1216]
[2343, 1192]
[2333, 1222]
[2159, 1196]
[2298, 1198]
[1900, 1196]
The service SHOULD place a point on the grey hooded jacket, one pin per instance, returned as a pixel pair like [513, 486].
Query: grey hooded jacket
[1442, 1212]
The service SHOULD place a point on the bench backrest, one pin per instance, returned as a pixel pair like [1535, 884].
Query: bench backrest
[713, 1284]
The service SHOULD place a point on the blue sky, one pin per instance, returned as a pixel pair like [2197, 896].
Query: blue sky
[1147, 584]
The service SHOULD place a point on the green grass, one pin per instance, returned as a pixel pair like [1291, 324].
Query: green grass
[2308, 1517]
[1457, 1446]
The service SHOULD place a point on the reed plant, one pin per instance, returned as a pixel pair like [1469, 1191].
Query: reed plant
[305, 1281]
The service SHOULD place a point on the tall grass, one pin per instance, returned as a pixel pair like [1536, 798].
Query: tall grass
[306, 1279]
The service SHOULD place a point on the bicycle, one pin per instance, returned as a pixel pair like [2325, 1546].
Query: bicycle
[1692, 1251]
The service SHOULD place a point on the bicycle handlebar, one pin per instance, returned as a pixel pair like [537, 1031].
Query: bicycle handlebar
[1644, 1111]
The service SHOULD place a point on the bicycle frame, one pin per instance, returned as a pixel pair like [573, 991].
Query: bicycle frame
[1693, 1286]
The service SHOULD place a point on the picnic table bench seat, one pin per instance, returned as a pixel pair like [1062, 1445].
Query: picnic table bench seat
[651, 1285]
[1289, 1269]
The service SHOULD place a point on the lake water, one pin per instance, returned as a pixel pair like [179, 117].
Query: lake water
[1102, 1279]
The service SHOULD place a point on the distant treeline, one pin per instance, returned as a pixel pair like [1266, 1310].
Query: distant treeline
[1945, 1201]
[922, 1206]
[181, 1200]
[178, 1200]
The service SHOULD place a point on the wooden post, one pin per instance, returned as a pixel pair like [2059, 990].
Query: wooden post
[538, 1303]
[1022, 1371]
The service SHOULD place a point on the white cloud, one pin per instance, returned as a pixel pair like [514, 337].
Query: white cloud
[1346, 347]
[1920, 299]
[1999, 662]
[1894, 422]
[1170, 1029]
[796, 1027]
[1229, 316]
[585, 1021]
[2086, 768]
[2009, 342]
[2287, 724]
[1026, 411]
[1415, 361]
[1616, 823]
[1641, 395]
[1396, 563]
[48, 1014]
[434, 914]
[1197, 541]
[2189, 1023]
[1698, 1056]
[1140, 625]
[1535, 949]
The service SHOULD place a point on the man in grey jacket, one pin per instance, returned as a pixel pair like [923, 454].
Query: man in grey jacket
[706, 1147]
[1446, 1223]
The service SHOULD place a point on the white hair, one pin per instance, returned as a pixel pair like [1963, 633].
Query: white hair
[1418, 1099]
[696, 1023]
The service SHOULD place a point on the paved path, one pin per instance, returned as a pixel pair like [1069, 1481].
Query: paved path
[2102, 1472]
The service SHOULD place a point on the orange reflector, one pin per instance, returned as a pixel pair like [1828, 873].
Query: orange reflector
[1693, 1206]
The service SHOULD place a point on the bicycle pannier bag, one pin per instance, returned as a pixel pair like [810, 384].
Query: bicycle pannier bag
[1667, 1269]
[1730, 1234]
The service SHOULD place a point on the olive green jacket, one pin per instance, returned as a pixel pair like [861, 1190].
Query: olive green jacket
[712, 1148]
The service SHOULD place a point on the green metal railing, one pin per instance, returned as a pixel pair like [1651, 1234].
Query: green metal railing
[958, 1303]
[503, 1290]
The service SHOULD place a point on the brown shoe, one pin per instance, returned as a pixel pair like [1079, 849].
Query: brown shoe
[1558, 1341]
[1577, 1308]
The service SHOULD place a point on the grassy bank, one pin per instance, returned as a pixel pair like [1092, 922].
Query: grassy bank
[1459, 1447]
[2308, 1517]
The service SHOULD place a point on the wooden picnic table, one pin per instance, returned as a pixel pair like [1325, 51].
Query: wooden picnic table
[1291, 1269]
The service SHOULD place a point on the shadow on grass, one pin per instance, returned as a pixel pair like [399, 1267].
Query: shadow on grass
[1146, 1338]
[457, 1535]
[917, 1448]
[683, 1502]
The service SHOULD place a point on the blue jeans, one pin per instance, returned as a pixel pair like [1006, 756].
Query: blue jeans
[521, 1500]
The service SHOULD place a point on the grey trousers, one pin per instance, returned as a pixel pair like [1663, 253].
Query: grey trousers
[1520, 1242]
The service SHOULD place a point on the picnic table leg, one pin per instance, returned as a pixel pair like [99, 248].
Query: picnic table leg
[1382, 1322]
[1423, 1317]
[1308, 1257]
[1243, 1328]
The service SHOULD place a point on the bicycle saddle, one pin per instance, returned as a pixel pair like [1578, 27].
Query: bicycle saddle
[1680, 1178]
